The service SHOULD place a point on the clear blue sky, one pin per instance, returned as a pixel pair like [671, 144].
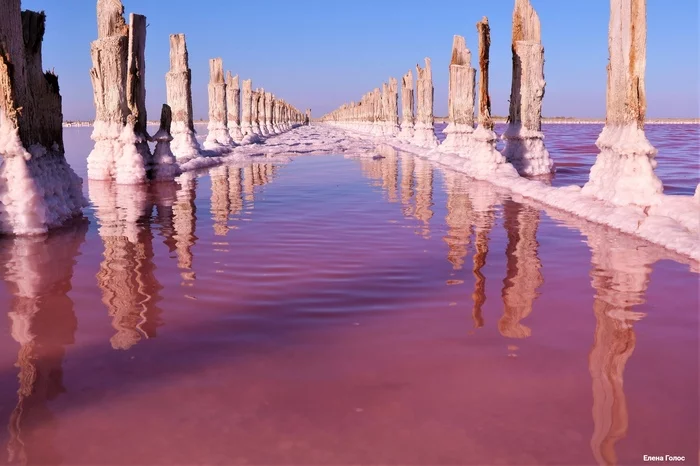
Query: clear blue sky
[322, 53]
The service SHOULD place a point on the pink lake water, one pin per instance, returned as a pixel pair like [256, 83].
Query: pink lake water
[334, 310]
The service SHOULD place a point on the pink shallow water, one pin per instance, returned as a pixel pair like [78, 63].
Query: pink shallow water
[343, 311]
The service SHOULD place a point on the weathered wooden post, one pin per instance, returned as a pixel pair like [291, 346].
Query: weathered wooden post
[424, 132]
[121, 152]
[136, 86]
[460, 98]
[268, 113]
[483, 156]
[407, 105]
[218, 136]
[624, 170]
[262, 112]
[524, 139]
[40, 190]
[392, 118]
[178, 85]
[233, 107]
[247, 107]
[523, 276]
[255, 112]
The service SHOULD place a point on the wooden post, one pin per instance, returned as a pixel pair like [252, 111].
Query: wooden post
[484, 31]
[624, 170]
[178, 84]
[524, 140]
[424, 132]
[460, 98]
[40, 190]
[218, 137]
[407, 105]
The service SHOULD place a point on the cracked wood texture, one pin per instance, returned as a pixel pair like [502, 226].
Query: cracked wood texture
[217, 92]
[29, 97]
[178, 82]
[136, 75]
[627, 31]
[407, 104]
[109, 61]
[526, 27]
[460, 94]
[484, 31]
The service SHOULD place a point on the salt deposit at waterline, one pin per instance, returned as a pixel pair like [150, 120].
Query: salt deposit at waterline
[38, 189]
[673, 223]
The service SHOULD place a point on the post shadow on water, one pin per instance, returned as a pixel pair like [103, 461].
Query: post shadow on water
[38, 272]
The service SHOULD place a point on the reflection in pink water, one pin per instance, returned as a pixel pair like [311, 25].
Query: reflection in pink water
[337, 311]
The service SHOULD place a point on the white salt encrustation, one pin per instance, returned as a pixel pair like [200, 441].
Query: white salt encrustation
[262, 112]
[247, 107]
[178, 85]
[424, 130]
[255, 112]
[268, 113]
[524, 139]
[407, 105]
[233, 107]
[38, 189]
[121, 150]
[392, 108]
[218, 137]
[165, 167]
[460, 98]
[624, 170]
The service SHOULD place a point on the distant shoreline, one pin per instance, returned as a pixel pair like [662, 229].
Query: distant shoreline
[548, 121]
[595, 121]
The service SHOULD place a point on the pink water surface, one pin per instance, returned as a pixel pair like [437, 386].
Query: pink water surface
[343, 311]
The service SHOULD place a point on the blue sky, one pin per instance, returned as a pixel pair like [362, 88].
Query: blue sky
[322, 53]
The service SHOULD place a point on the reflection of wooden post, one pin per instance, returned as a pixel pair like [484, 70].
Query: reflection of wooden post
[235, 191]
[483, 199]
[185, 213]
[459, 218]
[166, 192]
[424, 194]
[127, 274]
[620, 273]
[248, 183]
[389, 167]
[219, 199]
[523, 268]
[407, 167]
[38, 272]
[613, 344]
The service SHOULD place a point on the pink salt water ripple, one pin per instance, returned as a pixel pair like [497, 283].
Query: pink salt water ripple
[338, 311]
